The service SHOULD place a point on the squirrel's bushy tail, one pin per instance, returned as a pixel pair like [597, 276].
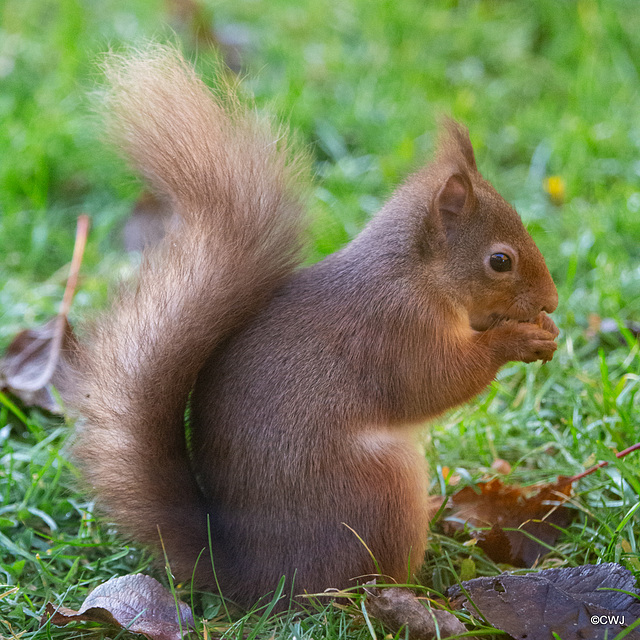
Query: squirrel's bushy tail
[234, 185]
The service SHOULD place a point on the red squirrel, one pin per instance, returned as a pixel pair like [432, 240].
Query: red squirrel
[305, 387]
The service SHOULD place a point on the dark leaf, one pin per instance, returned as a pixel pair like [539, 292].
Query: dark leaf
[579, 602]
[137, 603]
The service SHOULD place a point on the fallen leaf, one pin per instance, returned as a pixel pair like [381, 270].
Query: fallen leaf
[525, 511]
[37, 360]
[399, 608]
[587, 602]
[138, 603]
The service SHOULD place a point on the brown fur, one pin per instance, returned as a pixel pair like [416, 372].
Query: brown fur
[307, 386]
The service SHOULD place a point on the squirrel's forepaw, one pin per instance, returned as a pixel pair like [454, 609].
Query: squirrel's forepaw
[546, 323]
[535, 341]
[525, 341]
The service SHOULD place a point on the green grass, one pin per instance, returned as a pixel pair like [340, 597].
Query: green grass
[546, 88]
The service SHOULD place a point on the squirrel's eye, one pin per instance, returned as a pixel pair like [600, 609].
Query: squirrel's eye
[500, 262]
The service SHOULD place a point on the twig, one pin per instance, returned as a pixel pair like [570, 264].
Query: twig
[621, 454]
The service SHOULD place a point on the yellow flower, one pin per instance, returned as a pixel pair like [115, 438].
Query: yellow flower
[554, 186]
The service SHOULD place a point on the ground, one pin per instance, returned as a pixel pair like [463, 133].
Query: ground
[551, 94]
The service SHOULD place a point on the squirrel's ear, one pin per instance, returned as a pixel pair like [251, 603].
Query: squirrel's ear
[454, 194]
[453, 200]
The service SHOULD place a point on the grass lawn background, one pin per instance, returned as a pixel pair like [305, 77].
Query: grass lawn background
[547, 89]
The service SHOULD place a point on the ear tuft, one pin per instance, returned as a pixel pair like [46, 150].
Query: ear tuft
[454, 144]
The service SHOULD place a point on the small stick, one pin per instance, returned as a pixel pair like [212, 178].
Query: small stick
[82, 231]
[621, 454]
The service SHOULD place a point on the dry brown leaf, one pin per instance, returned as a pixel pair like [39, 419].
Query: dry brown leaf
[588, 602]
[494, 506]
[37, 360]
[138, 603]
[399, 608]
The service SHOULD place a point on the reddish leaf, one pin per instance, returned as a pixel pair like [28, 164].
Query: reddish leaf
[591, 601]
[495, 507]
[137, 603]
